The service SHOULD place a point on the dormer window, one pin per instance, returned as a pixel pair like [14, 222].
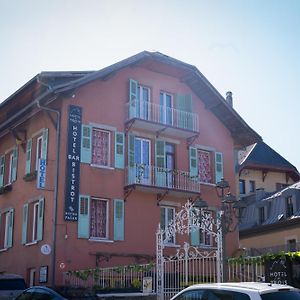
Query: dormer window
[289, 206]
[261, 215]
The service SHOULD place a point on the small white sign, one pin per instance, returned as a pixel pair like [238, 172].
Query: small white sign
[46, 249]
[147, 285]
[41, 180]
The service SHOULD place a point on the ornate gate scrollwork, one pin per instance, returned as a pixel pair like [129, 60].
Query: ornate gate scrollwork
[188, 220]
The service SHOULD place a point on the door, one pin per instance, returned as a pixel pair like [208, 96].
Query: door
[166, 108]
[142, 160]
[143, 102]
[170, 164]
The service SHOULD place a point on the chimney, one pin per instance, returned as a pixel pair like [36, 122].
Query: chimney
[229, 98]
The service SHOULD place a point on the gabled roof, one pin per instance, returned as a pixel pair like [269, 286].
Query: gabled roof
[241, 132]
[260, 156]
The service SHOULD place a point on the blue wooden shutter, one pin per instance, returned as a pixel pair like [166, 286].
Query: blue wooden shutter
[133, 98]
[160, 163]
[195, 237]
[131, 162]
[193, 162]
[28, 156]
[219, 166]
[10, 228]
[45, 144]
[2, 167]
[86, 144]
[119, 220]
[24, 223]
[14, 165]
[40, 220]
[84, 217]
[119, 150]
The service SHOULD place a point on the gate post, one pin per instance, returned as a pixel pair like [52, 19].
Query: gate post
[220, 262]
[159, 264]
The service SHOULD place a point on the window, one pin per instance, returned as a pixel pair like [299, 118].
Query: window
[281, 186]
[261, 215]
[36, 148]
[33, 219]
[167, 215]
[143, 102]
[96, 146]
[100, 147]
[242, 186]
[289, 206]
[291, 245]
[93, 219]
[202, 236]
[99, 218]
[166, 108]
[6, 228]
[252, 186]
[8, 167]
[205, 166]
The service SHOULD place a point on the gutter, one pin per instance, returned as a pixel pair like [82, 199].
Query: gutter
[56, 173]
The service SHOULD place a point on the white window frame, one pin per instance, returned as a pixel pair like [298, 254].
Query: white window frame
[39, 146]
[107, 220]
[165, 94]
[141, 139]
[142, 101]
[202, 233]
[109, 148]
[34, 221]
[166, 208]
[11, 161]
[6, 214]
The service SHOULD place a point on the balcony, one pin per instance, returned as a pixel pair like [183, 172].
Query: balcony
[161, 180]
[157, 118]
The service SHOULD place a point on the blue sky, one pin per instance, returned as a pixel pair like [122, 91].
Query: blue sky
[250, 47]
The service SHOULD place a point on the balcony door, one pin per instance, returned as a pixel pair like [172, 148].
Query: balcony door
[166, 108]
[143, 103]
[170, 164]
[142, 160]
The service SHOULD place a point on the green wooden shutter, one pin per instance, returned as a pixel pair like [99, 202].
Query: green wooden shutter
[86, 144]
[185, 108]
[195, 237]
[40, 220]
[45, 144]
[118, 220]
[160, 163]
[2, 167]
[24, 223]
[119, 150]
[133, 98]
[84, 217]
[14, 165]
[28, 156]
[193, 162]
[219, 166]
[131, 163]
[10, 228]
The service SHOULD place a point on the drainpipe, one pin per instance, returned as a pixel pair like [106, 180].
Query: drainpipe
[53, 257]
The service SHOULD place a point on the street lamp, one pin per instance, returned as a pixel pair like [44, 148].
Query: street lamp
[232, 213]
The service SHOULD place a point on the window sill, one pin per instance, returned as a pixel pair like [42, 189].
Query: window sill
[102, 167]
[3, 250]
[171, 245]
[31, 243]
[100, 240]
[207, 183]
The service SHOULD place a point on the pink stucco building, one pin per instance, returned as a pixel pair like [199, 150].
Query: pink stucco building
[92, 162]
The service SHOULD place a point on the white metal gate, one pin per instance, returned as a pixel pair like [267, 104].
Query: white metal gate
[189, 264]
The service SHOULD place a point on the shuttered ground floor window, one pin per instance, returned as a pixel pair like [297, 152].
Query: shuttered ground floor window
[94, 218]
[99, 218]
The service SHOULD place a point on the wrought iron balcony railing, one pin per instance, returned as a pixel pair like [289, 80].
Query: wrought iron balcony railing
[144, 175]
[151, 112]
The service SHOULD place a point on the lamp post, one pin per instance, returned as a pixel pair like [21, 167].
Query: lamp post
[232, 213]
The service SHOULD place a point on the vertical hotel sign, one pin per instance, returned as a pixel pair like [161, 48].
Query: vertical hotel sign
[73, 163]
